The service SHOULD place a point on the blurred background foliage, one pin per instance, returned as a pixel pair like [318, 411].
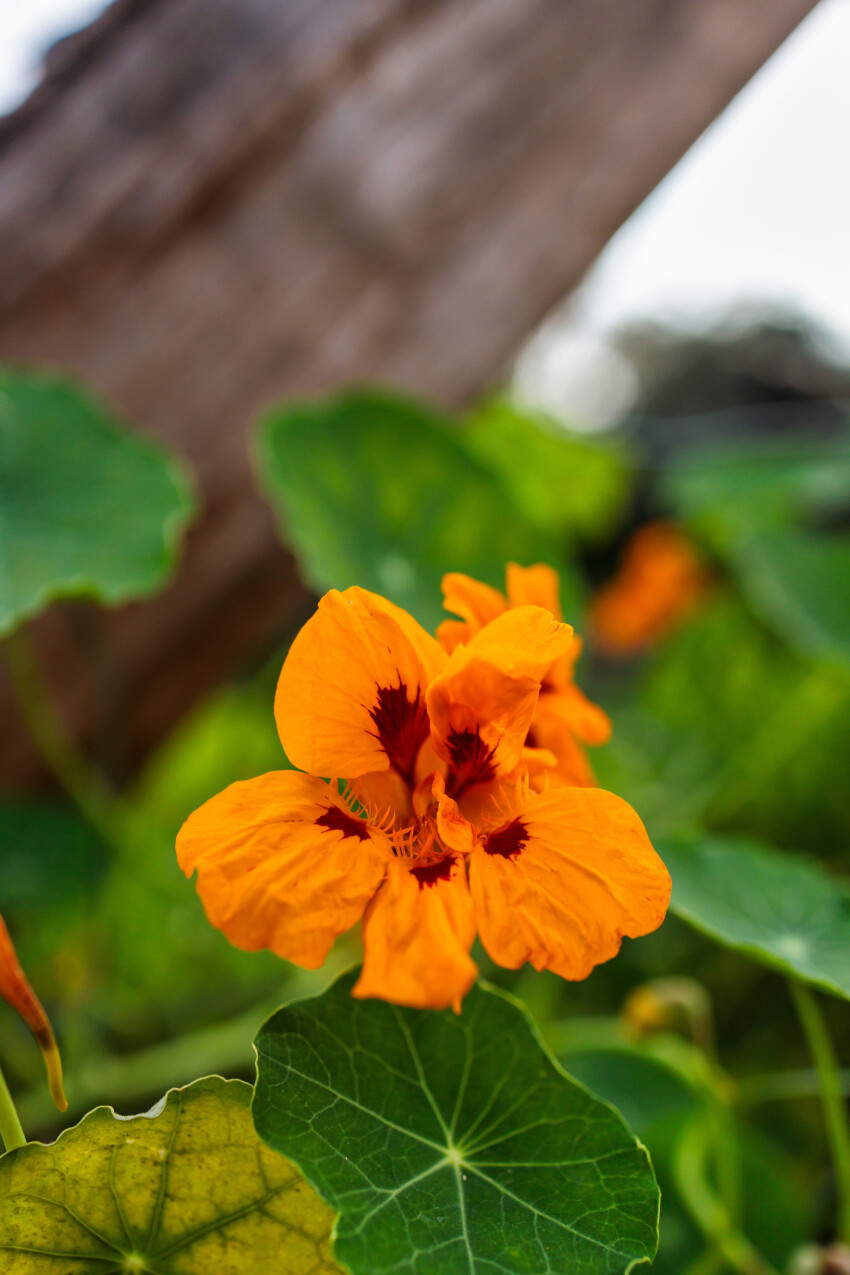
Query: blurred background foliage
[733, 720]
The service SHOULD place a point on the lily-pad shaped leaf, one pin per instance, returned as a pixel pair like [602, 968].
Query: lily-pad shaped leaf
[87, 508]
[562, 483]
[783, 911]
[188, 1189]
[451, 1143]
[801, 582]
[376, 490]
[765, 506]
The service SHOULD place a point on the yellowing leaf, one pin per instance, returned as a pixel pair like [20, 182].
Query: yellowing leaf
[187, 1189]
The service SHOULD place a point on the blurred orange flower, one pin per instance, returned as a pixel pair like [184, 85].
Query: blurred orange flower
[564, 719]
[435, 833]
[15, 989]
[659, 580]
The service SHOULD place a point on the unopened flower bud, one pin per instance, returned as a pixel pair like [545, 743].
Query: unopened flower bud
[15, 989]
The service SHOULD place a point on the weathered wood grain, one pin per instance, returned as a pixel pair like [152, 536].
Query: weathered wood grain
[211, 204]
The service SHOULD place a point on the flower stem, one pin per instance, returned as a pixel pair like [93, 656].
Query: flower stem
[706, 1208]
[81, 781]
[10, 1126]
[832, 1098]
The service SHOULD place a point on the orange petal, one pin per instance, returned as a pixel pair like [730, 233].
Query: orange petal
[551, 729]
[473, 601]
[585, 719]
[454, 831]
[15, 989]
[282, 864]
[417, 933]
[537, 586]
[561, 883]
[452, 632]
[350, 699]
[383, 793]
[482, 704]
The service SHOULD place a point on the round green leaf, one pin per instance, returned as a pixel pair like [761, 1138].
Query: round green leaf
[451, 1144]
[756, 502]
[801, 581]
[563, 484]
[783, 911]
[374, 490]
[86, 507]
[187, 1189]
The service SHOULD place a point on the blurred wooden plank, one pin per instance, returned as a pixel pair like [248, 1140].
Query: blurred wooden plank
[210, 204]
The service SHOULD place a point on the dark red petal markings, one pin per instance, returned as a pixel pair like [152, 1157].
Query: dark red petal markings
[471, 761]
[402, 727]
[341, 821]
[507, 842]
[431, 873]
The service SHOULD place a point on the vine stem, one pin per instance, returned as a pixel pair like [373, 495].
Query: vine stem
[832, 1097]
[10, 1126]
[706, 1208]
[81, 781]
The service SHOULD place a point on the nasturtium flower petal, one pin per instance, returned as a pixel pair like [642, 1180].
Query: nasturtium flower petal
[417, 934]
[476, 603]
[536, 586]
[481, 705]
[564, 880]
[351, 694]
[16, 991]
[283, 864]
[551, 730]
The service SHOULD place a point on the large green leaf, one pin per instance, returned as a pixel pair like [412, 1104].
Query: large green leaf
[781, 910]
[451, 1144]
[562, 483]
[378, 491]
[759, 504]
[186, 1190]
[86, 507]
[801, 581]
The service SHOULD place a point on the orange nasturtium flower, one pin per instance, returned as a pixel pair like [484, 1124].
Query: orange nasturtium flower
[659, 580]
[434, 832]
[15, 989]
[564, 719]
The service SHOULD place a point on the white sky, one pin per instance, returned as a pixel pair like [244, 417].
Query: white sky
[759, 209]
[27, 27]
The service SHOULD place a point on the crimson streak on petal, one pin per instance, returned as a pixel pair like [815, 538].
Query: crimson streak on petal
[341, 821]
[402, 727]
[508, 841]
[431, 873]
[471, 761]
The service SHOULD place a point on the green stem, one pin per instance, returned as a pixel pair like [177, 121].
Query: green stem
[81, 781]
[705, 1207]
[785, 1086]
[10, 1126]
[834, 1108]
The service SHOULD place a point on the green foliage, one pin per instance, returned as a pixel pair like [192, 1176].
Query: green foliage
[563, 485]
[378, 491]
[86, 507]
[451, 1143]
[187, 1189]
[48, 855]
[759, 504]
[778, 909]
[721, 719]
